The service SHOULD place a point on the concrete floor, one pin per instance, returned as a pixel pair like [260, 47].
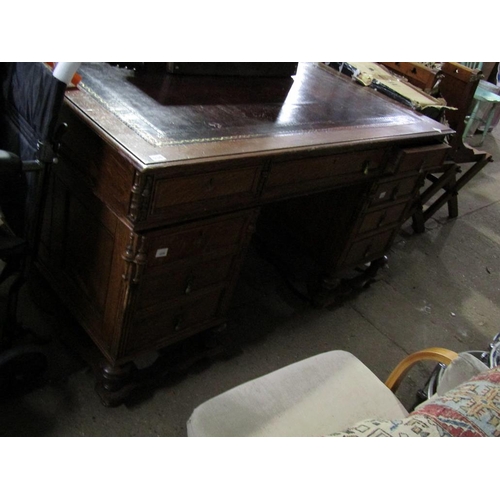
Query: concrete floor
[440, 288]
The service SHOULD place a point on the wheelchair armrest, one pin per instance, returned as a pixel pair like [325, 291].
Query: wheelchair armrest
[10, 163]
[12, 245]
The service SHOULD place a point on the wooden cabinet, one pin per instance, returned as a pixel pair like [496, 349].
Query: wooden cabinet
[353, 224]
[144, 239]
[186, 279]
[139, 291]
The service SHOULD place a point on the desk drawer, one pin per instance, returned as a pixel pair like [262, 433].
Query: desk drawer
[306, 174]
[394, 190]
[368, 249]
[380, 219]
[205, 192]
[159, 287]
[222, 235]
[421, 158]
[160, 326]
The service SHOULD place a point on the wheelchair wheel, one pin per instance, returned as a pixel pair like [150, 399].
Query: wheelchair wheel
[21, 368]
[495, 351]
[430, 388]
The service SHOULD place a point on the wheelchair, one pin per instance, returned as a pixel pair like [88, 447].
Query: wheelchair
[490, 357]
[31, 98]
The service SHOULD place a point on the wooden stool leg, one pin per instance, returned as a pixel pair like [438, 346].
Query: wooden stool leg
[453, 207]
[418, 220]
[453, 200]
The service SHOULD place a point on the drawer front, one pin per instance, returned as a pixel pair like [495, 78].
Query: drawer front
[394, 190]
[204, 192]
[198, 240]
[294, 176]
[368, 249]
[159, 287]
[421, 159]
[160, 326]
[93, 163]
[380, 219]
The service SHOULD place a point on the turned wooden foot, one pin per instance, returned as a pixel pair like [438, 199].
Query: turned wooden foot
[115, 383]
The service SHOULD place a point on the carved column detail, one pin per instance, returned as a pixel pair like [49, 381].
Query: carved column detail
[140, 261]
[135, 259]
[145, 198]
[135, 198]
[139, 197]
[128, 257]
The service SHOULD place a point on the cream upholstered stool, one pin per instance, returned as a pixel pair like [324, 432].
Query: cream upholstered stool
[314, 397]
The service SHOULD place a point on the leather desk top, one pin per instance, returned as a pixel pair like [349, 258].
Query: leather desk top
[165, 119]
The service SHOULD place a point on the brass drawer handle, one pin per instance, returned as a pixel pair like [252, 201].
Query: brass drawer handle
[366, 167]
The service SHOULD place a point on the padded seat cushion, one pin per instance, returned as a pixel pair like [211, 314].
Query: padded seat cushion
[313, 397]
[472, 409]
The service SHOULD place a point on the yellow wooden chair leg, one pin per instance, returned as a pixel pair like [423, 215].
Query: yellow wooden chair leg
[438, 354]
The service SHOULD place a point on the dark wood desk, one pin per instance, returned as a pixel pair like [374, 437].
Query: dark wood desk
[162, 179]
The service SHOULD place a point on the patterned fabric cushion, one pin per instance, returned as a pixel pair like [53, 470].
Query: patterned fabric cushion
[470, 410]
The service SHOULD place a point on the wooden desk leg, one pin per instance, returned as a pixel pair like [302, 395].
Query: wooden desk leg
[115, 383]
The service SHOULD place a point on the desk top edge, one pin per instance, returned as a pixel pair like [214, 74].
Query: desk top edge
[147, 156]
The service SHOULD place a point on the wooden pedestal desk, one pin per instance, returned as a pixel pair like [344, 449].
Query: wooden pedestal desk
[163, 179]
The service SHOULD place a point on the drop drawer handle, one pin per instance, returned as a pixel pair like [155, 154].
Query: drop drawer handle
[366, 167]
